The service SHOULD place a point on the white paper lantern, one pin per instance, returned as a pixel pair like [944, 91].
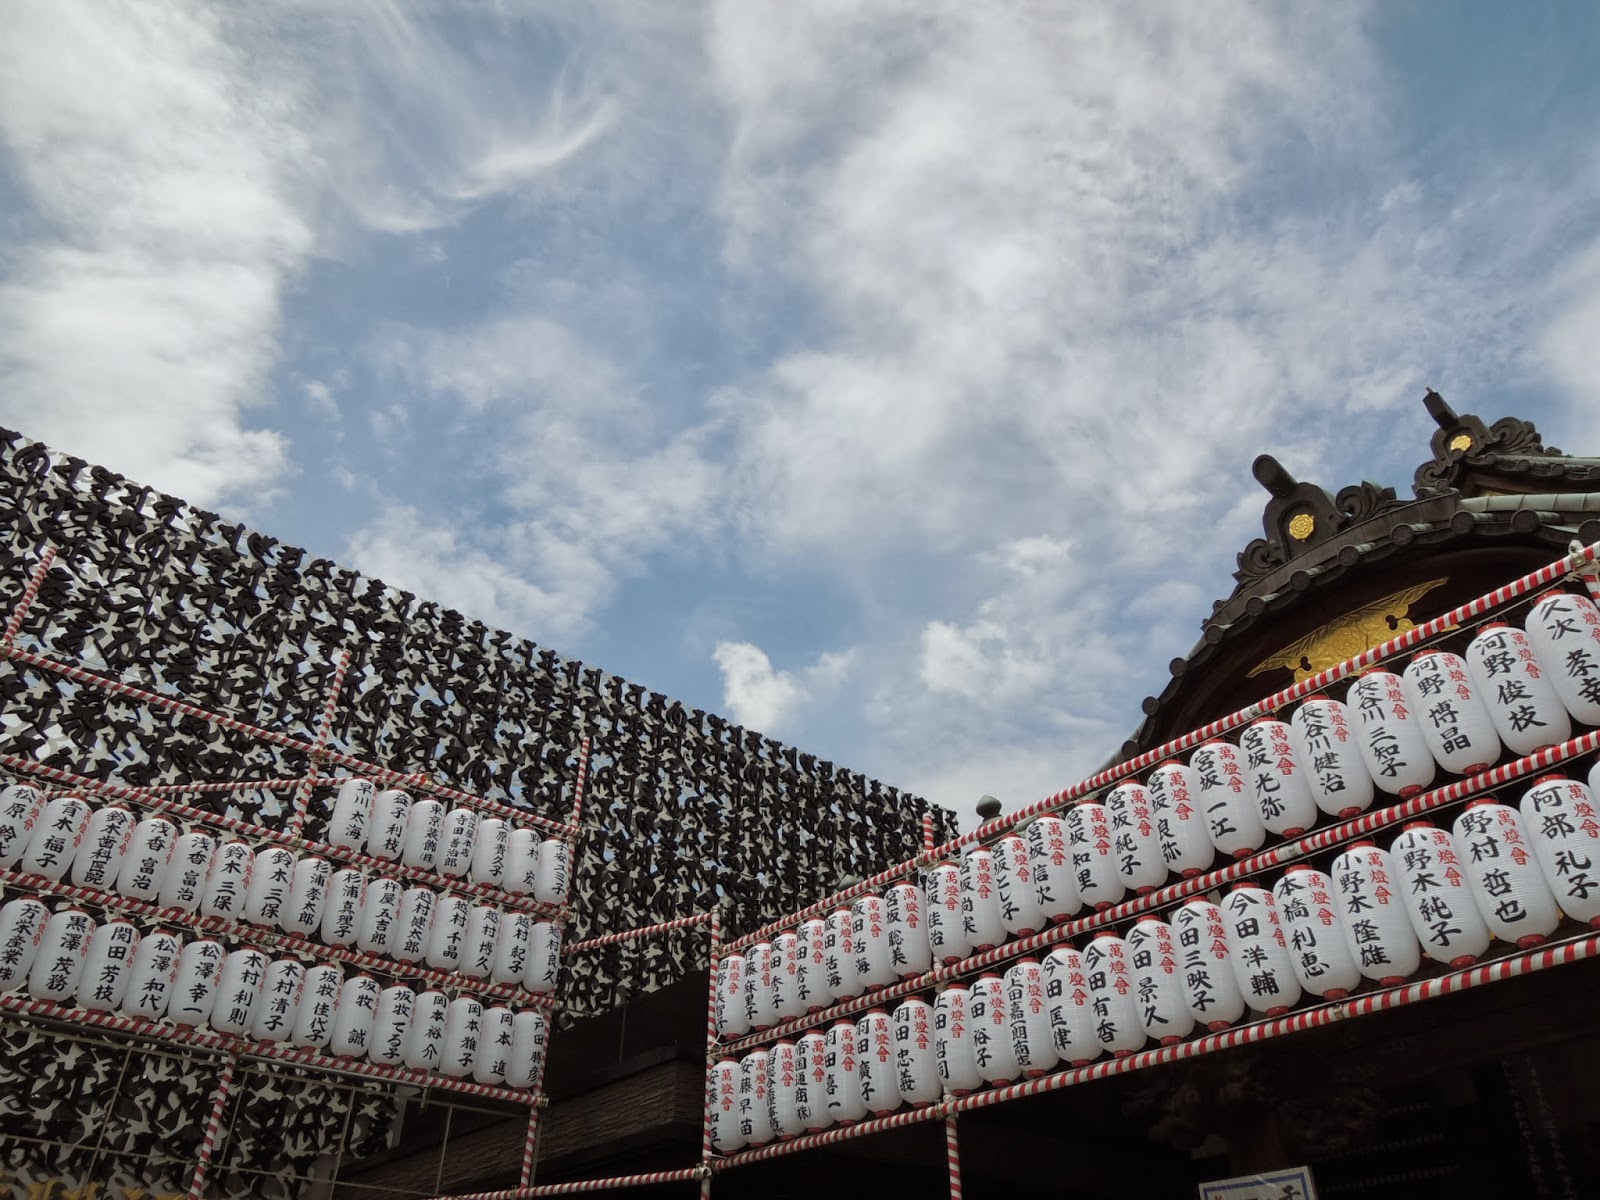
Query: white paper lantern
[916, 1059]
[991, 1029]
[786, 976]
[905, 909]
[425, 1037]
[390, 1023]
[1374, 918]
[544, 957]
[783, 1109]
[1456, 725]
[271, 880]
[1277, 781]
[1257, 952]
[1094, 870]
[352, 810]
[56, 837]
[811, 1053]
[1564, 631]
[732, 1019]
[522, 862]
[244, 972]
[194, 993]
[104, 979]
[22, 923]
[386, 827]
[554, 876]
[489, 844]
[449, 933]
[511, 945]
[1050, 859]
[947, 930]
[759, 1008]
[1521, 698]
[455, 848]
[378, 928]
[1389, 734]
[302, 910]
[228, 880]
[1033, 1042]
[280, 1000]
[424, 834]
[1319, 952]
[980, 900]
[1072, 1022]
[841, 1084]
[144, 868]
[463, 1021]
[755, 1112]
[869, 933]
[477, 943]
[838, 956]
[352, 1023]
[875, 1045]
[1210, 988]
[952, 1039]
[1510, 890]
[152, 977]
[319, 1003]
[106, 839]
[1013, 879]
[21, 806]
[1111, 996]
[186, 873]
[1559, 815]
[1325, 744]
[530, 1033]
[1433, 884]
[1158, 982]
[1181, 826]
[414, 925]
[814, 992]
[725, 1135]
[494, 1046]
[1136, 844]
[341, 911]
[1232, 819]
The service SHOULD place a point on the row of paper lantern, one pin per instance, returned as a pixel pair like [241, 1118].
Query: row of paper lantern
[67, 958]
[109, 849]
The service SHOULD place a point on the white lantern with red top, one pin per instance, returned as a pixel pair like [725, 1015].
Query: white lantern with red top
[228, 880]
[151, 979]
[1559, 815]
[271, 880]
[733, 1020]
[947, 930]
[455, 842]
[839, 956]
[106, 838]
[1389, 734]
[386, 831]
[1013, 878]
[22, 922]
[530, 1033]
[1521, 698]
[280, 999]
[1564, 631]
[1257, 953]
[1510, 890]
[352, 1021]
[494, 1044]
[424, 834]
[1112, 1004]
[1032, 1040]
[194, 993]
[991, 1029]
[104, 980]
[144, 869]
[783, 1067]
[1157, 982]
[1231, 817]
[1210, 986]
[1136, 843]
[1277, 780]
[1050, 859]
[905, 909]
[811, 1052]
[1318, 949]
[813, 988]
[875, 1044]
[1072, 1021]
[352, 810]
[952, 1040]
[21, 806]
[980, 900]
[1185, 845]
[463, 1020]
[842, 1075]
[725, 1135]
[56, 837]
[244, 972]
[1373, 914]
[488, 861]
[544, 957]
[425, 1037]
[1456, 725]
[414, 925]
[916, 1057]
[758, 1006]
[1094, 867]
[477, 943]
[1325, 744]
[1443, 913]
[755, 1111]
[869, 933]
[786, 976]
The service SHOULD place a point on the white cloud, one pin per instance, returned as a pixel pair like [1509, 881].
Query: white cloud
[759, 696]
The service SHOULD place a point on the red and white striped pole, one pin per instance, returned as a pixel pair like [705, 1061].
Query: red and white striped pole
[952, 1156]
[707, 1150]
[302, 795]
[530, 1143]
[1586, 568]
[29, 595]
[208, 1143]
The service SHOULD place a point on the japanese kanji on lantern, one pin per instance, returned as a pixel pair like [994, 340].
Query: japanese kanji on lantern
[390, 1021]
[1443, 914]
[815, 993]
[1072, 1021]
[199, 974]
[106, 838]
[947, 931]
[811, 1052]
[1564, 631]
[56, 837]
[869, 933]
[477, 943]
[554, 877]
[784, 1080]
[456, 842]
[186, 873]
[149, 857]
[228, 880]
[786, 976]
[1094, 869]
[488, 862]
[755, 1111]
[725, 1135]
[980, 899]
[386, 831]
[544, 957]
[494, 1044]
[319, 1000]
[425, 833]
[905, 909]
[991, 1030]
[1376, 924]
[1277, 780]
[1050, 857]
[1389, 734]
[875, 1045]
[425, 1038]
[1232, 819]
[1521, 699]
[1559, 816]
[1318, 950]
[1510, 890]
[522, 862]
[530, 1031]
[444, 940]
[1325, 744]
[1112, 1004]
[841, 1084]
[1185, 844]
[58, 963]
[511, 948]
[413, 924]
[152, 977]
[21, 807]
[1013, 870]
[352, 809]
[1157, 982]
[1210, 987]
[1258, 951]
[1456, 725]
[104, 981]
[838, 956]
[238, 991]
[952, 1031]
[22, 922]
[280, 999]
[1136, 844]
[915, 1057]
[463, 1019]
[271, 880]
[1032, 1040]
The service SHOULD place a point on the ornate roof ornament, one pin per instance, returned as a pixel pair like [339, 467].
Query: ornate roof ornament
[1463, 442]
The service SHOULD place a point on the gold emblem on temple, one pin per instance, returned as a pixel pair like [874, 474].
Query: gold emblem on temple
[1461, 441]
[1348, 635]
[1301, 526]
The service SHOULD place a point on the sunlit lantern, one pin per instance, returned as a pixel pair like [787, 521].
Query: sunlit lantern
[414, 925]
[154, 972]
[1389, 734]
[425, 1037]
[341, 910]
[875, 1044]
[813, 988]
[1112, 1004]
[811, 1052]
[1512, 683]
[522, 862]
[869, 931]
[448, 933]
[991, 1029]
[1157, 982]
[1456, 725]
[952, 1033]
[905, 909]
[380, 914]
[489, 844]
[424, 834]
[1136, 844]
[841, 1082]
[544, 957]
[1094, 870]
[1374, 918]
[1510, 890]
[1013, 878]
[1072, 1020]
[104, 980]
[915, 1058]
[1433, 883]
[1319, 952]
[21, 806]
[228, 880]
[1175, 793]
[530, 1034]
[352, 810]
[386, 831]
[352, 1023]
[186, 873]
[554, 876]
[1257, 952]
[280, 1000]
[732, 1019]
[1032, 1041]
[494, 1046]
[755, 1113]
[1232, 820]
[463, 1020]
[725, 1135]
[22, 922]
[477, 943]
[144, 869]
[1050, 858]
[194, 993]
[980, 900]
[106, 838]
[1325, 744]
[511, 944]
[244, 972]
[758, 1001]
[1564, 631]
[1277, 780]
[786, 976]
[947, 930]
[271, 880]
[456, 842]
[1559, 815]
[1210, 987]
[56, 837]
[390, 1023]
[308, 891]
[783, 1068]
[839, 956]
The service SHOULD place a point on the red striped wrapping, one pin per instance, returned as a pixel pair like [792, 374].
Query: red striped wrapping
[952, 1155]
[628, 935]
[583, 1185]
[29, 595]
[530, 1142]
[713, 956]
[208, 1142]
[302, 795]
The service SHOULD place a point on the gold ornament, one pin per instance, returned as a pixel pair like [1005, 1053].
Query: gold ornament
[1348, 635]
[1302, 526]
[1461, 441]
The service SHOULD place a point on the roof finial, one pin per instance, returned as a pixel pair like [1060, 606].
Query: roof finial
[1443, 415]
[1270, 474]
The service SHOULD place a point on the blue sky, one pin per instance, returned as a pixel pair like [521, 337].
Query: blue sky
[885, 376]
